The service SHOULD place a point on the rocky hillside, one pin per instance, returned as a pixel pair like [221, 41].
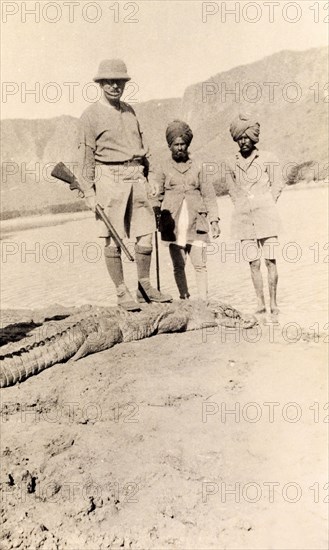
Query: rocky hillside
[287, 91]
[297, 131]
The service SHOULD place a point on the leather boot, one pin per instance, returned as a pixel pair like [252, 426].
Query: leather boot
[147, 293]
[125, 299]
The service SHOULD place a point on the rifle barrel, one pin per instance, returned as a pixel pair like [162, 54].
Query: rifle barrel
[63, 173]
[99, 210]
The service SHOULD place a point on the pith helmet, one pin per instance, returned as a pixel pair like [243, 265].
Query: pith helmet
[114, 69]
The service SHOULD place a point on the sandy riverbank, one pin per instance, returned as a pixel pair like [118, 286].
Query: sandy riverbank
[131, 447]
[134, 448]
[43, 220]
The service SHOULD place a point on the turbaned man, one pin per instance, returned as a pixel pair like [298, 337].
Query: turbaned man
[255, 186]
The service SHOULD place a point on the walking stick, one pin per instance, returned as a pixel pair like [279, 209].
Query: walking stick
[157, 215]
[157, 259]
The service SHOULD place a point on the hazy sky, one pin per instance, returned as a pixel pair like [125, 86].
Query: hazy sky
[167, 45]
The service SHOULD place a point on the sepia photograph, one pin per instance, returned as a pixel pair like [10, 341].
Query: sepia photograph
[164, 275]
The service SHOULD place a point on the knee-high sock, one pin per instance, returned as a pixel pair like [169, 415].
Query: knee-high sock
[178, 257]
[143, 261]
[114, 264]
[199, 261]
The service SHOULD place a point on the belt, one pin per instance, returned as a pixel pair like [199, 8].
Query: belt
[131, 162]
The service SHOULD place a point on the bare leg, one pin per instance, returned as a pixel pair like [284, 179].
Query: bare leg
[145, 240]
[272, 284]
[257, 280]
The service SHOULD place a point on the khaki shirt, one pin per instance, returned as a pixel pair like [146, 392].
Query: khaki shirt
[255, 184]
[113, 134]
[108, 135]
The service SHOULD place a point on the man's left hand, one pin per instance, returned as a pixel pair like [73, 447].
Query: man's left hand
[215, 231]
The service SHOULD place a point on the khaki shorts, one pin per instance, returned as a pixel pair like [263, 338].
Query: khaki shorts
[254, 249]
[121, 191]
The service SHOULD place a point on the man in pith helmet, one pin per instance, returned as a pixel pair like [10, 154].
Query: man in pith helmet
[114, 165]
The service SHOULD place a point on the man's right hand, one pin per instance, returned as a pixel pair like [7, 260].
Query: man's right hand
[157, 214]
[91, 202]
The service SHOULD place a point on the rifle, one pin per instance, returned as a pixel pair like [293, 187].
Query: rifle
[63, 173]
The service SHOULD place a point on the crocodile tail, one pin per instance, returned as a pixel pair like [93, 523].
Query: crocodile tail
[19, 365]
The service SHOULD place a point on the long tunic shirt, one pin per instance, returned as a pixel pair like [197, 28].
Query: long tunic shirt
[185, 182]
[254, 187]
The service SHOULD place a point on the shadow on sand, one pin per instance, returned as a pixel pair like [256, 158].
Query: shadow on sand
[15, 332]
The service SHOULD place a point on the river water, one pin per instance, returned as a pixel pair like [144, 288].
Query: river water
[64, 264]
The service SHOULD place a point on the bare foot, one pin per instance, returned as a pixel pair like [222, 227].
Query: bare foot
[274, 319]
[275, 310]
[260, 309]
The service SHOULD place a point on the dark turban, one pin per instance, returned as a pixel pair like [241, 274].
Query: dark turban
[176, 129]
[245, 124]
